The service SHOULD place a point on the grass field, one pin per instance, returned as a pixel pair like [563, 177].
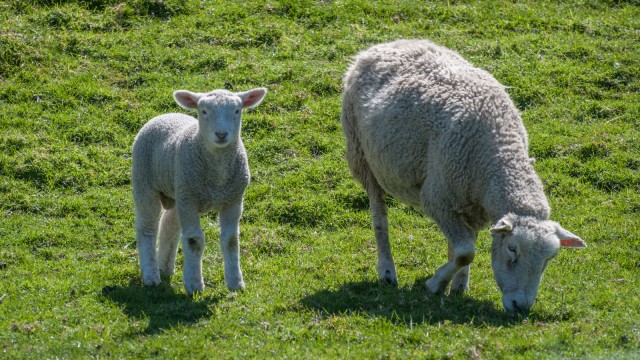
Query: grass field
[79, 78]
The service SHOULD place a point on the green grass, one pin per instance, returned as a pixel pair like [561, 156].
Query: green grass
[79, 78]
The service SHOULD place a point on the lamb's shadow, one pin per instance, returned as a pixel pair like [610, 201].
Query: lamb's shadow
[410, 304]
[161, 305]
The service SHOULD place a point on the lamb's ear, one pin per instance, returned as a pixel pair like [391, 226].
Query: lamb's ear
[252, 98]
[502, 226]
[186, 99]
[568, 239]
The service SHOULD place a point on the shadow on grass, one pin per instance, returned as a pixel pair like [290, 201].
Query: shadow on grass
[162, 305]
[411, 304]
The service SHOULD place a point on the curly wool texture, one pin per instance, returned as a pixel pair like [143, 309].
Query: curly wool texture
[170, 160]
[438, 134]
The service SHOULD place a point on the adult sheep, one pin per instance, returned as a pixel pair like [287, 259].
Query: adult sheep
[189, 166]
[428, 128]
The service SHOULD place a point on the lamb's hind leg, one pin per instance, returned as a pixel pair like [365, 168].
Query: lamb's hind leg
[168, 238]
[147, 211]
[230, 246]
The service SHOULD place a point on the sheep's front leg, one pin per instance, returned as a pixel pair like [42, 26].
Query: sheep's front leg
[147, 211]
[168, 238]
[386, 267]
[461, 254]
[230, 246]
[460, 280]
[193, 248]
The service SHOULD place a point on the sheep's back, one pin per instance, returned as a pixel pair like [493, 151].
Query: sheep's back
[418, 107]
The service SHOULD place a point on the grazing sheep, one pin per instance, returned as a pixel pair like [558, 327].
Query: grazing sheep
[189, 166]
[435, 132]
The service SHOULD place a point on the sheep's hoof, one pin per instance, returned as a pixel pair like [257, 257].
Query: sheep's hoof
[459, 287]
[389, 278]
[435, 286]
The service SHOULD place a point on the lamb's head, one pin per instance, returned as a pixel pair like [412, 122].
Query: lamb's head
[219, 112]
[522, 247]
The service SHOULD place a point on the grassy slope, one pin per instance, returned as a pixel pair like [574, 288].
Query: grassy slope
[79, 78]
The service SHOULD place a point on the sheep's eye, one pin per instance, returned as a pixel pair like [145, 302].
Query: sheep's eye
[204, 112]
[238, 111]
[511, 248]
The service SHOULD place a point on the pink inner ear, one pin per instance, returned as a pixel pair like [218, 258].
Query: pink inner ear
[253, 98]
[250, 99]
[192, 102]
[188, 100]
[572, 243]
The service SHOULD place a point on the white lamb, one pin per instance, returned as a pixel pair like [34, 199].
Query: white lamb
[189, 166]
[435, 132]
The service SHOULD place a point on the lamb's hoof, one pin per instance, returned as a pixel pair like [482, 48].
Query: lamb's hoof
[151, 279]
[237, 287]
[194, 288]
[167, 272]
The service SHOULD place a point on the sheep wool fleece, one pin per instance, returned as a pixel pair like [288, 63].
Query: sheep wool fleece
[438, 134]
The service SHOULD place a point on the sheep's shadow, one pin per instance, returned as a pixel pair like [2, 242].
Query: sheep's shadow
[161, 305]
[412, 304]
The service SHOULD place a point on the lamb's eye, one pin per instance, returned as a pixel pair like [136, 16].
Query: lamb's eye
[238, 111]
[204, 112]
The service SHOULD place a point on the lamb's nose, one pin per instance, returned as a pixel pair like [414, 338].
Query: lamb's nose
[221, 135]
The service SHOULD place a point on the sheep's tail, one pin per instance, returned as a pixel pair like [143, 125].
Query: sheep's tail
[356, 159]
[348, 120]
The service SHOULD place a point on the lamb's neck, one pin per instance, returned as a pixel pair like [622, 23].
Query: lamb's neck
[514, 187]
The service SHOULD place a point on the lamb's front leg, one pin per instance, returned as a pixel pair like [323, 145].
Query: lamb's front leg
[461, 254]
[230, 245]
[193, 248]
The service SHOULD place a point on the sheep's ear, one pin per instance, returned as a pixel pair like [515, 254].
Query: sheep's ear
[502, 226]
[252, 98]
[186, 99]
[568, 239]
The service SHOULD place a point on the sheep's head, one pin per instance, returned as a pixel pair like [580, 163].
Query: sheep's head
[522, 247]
[219, 112]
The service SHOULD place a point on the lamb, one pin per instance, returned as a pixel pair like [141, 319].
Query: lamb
[428, 128]
[189, 166]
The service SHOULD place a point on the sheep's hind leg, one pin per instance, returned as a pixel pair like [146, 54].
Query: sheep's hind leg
[193, 248]
[230, 246]
[147, 212]
[386, 268]
[362, 173]
[168, 238]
